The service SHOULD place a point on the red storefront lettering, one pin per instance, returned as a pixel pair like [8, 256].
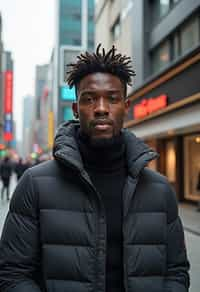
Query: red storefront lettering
[148, 106]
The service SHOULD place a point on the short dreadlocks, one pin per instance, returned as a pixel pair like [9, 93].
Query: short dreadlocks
[109, 62]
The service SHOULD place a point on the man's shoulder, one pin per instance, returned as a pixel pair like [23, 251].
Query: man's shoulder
[47, 168]
[153, 176]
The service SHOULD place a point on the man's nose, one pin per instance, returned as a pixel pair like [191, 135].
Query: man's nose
[101, 107]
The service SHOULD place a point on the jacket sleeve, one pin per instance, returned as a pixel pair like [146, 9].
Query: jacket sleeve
[177, 277]
[19, 245]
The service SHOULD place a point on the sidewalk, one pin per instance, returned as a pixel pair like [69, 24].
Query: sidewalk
[190, 218]
[4, 205]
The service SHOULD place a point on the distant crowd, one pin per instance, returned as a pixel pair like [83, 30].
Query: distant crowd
[9, 166]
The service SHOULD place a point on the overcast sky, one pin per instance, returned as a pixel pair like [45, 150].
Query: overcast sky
[28, 32]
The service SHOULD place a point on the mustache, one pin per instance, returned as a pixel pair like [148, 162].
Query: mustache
[101, 121]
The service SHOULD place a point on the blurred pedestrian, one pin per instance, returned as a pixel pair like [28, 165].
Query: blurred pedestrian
[20, 168]
[95, 218]
[5, 174]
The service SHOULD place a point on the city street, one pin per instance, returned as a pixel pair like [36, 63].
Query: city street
[188, 215]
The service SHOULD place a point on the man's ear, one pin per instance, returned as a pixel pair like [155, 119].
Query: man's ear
[127, 106]
[75, 109]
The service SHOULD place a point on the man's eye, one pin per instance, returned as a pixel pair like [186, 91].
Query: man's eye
[113, 98]
[87, 99]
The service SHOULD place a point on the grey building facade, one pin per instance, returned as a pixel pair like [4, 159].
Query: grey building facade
[164, 42]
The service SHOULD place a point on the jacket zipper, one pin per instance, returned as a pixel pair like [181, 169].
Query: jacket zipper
[101, 207]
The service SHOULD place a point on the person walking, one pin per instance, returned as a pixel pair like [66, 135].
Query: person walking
[5, 174]
[20, 168]
[95, 218]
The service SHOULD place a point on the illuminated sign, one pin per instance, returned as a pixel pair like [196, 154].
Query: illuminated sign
[68, 93]
[8, 106]
[67, 114]
[8, 91]
[8, 128]
[148, 106]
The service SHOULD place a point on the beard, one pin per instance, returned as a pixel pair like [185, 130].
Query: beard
[101, 143]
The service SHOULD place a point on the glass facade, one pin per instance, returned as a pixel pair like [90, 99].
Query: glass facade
[90, 25]
[70, 22]
[161, 8]
[161, 57]
[189, 35]
[185, 38]
[192, 167]
[76, 33]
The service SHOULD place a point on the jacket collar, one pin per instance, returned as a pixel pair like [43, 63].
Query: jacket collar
[66, 150]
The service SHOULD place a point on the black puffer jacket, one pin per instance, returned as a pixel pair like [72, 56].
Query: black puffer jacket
[54, 237]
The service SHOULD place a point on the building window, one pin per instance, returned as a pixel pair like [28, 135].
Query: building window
[175, 46]
[185, 38]
[171, 161]
[161, 8]
[192, 167]
[161, 57]
[189, 35]
[116, 29]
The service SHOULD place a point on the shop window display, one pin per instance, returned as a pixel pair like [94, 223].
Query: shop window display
[171, 162]
[192, 167]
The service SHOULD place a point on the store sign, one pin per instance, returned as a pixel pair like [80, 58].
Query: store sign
[8, 91]
[8, 106]
[8, 128]
[149, 106]
[68, 93]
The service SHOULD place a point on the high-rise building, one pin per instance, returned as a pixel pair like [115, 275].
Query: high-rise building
[163, 39]
[27, 126]
[1, 83]
[40, 83]
[40, 80]
[74, 34]
[7, 82]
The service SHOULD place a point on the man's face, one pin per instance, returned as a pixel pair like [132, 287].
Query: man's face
[101, 105]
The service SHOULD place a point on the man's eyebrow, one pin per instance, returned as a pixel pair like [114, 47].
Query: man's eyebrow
[94, 91]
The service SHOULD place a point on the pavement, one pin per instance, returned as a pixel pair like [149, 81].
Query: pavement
[190, 218]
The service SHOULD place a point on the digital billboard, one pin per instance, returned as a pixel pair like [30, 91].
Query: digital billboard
[67, 93]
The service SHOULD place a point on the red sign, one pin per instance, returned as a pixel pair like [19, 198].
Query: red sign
[8, 92]
[7, 136]
[8, 127]
[148, 106]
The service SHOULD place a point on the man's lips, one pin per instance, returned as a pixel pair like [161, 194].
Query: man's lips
[102, 124]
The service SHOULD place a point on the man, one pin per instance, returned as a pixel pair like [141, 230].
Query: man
[5, 174]
[95, 218]
[20, 168]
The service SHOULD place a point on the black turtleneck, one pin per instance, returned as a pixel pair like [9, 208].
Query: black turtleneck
[105, 165]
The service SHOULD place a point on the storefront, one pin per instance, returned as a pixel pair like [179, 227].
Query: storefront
[166, 114]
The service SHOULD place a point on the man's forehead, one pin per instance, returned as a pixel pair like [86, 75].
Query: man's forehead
[100, 80]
